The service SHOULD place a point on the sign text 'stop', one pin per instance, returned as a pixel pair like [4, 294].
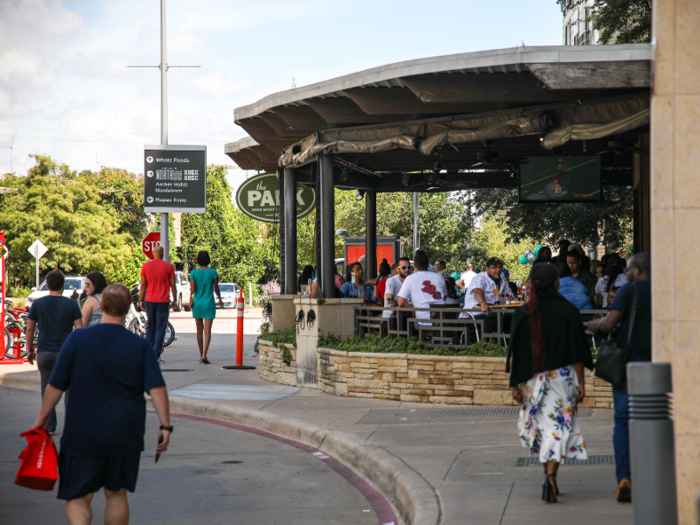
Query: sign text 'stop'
[259, 198]
[175, 179]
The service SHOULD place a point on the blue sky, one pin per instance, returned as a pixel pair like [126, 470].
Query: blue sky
[65, 89]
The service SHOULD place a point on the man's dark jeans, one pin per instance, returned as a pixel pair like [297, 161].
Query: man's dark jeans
[45, 362]
[621, 437]
[158, 314]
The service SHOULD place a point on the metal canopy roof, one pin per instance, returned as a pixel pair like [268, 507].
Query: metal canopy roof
[462, 84]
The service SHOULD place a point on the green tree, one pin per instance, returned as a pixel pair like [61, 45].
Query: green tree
[122, 193]
[586, 223]
[242, 249]
[68, 217]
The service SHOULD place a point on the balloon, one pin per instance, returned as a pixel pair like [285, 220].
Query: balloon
[528, 251]
[523, 259]
[531, 258]
[537, 249]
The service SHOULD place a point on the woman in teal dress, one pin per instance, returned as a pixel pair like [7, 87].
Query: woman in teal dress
[204, 282]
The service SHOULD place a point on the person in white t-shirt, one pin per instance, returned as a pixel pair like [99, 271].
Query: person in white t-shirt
[393, 284]
[486, 289]
[466, 278]
[423, 288]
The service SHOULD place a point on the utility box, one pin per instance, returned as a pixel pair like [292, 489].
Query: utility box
[387, 248]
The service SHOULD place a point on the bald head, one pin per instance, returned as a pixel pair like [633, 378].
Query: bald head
[158, 252]
[639, 267]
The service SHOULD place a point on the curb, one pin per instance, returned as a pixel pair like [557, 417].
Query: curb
[414, 499]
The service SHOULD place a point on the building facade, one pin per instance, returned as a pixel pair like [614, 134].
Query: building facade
[577, 27]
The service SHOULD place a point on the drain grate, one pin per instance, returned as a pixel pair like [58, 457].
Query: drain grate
[592, 460]
[475, 412]
[176, 370]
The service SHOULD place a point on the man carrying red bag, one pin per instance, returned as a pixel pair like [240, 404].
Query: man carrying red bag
[107, 369]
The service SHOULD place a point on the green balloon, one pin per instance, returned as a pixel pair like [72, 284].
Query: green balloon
[537, 249]
[523, 259]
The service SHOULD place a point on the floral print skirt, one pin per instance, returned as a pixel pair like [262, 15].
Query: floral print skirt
[547, 423]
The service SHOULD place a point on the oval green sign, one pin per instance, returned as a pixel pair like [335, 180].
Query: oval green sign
[259, 198]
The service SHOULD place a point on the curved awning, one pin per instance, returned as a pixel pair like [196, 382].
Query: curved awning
[463, 85]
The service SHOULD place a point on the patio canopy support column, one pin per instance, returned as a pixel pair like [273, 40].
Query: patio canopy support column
[280, 219]
[290, 231]
[327, 207]
[371, 235]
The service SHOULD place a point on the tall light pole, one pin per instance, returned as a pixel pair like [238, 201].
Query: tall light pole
[163, 66]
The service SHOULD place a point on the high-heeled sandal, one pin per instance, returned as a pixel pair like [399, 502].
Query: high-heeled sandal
[548, 494]
[555, 486]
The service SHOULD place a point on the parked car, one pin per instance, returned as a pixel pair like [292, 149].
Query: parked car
[229, 294]
[74, 285]
[182, 284]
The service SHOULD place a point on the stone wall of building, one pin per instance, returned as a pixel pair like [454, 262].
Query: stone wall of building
[462, 380]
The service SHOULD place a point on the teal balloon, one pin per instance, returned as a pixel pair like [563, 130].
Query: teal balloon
[523, 259]
[537, 250]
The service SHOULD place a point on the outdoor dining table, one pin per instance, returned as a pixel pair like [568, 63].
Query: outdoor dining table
[500, 310]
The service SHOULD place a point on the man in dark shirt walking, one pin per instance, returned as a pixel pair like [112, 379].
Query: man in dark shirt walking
[56, 316]
[157, 281]
[639, 349]
[107, 369]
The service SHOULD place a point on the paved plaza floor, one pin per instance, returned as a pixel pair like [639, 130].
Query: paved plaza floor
[471, 456]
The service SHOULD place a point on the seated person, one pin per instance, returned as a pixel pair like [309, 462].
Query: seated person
[422, 288]
[404, 268]
[573, 290]
[513, 287]
[355, 284]
[485, 290]
[452, 297]
[612, 293]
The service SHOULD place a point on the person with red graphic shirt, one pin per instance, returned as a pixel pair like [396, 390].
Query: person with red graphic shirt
[157, 282]
[422, 288]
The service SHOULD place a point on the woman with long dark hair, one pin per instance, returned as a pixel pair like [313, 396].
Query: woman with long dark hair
[95, 282]
[549, 351]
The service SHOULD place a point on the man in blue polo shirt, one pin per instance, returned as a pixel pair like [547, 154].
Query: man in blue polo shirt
[56, 316]
[107, 369]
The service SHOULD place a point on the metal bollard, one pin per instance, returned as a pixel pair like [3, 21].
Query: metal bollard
[652, 453]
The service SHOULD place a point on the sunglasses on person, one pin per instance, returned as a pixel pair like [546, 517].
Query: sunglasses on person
[409, 267]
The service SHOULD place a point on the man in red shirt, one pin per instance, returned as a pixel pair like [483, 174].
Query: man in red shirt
[157, 281]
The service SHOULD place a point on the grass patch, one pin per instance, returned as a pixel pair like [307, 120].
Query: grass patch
[400, 345]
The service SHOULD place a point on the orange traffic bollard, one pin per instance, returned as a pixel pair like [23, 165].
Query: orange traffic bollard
[239, 337]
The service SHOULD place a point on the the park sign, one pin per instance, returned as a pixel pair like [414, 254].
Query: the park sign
[259, 198]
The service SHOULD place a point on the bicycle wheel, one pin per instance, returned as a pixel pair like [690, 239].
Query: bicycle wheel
[9, 349]
[169, 335]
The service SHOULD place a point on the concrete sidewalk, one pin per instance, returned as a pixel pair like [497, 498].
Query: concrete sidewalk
[468, 456]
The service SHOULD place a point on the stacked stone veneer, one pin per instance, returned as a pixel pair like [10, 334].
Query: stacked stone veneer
[463, 380]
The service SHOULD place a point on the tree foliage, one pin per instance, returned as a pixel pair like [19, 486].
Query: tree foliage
[241, 249]
[67, 216]
[585, 223]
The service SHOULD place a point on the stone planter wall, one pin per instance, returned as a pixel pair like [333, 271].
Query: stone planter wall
[273, 369]
[462, 380]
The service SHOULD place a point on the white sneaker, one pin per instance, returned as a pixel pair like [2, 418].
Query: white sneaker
[161, 360]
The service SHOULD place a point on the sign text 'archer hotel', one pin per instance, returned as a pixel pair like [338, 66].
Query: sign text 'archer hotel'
[175, 179]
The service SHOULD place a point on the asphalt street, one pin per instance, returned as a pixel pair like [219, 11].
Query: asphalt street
[212, 474]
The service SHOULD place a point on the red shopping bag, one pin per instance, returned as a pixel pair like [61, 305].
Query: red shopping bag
[39, 468]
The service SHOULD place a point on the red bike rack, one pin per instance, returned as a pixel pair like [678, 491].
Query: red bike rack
[3, 351]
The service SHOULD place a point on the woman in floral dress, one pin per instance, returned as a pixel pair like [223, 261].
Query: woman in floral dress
[549, 350]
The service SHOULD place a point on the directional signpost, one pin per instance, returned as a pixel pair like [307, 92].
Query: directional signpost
[38, 250]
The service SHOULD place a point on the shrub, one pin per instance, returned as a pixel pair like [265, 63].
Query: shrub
[400, 345]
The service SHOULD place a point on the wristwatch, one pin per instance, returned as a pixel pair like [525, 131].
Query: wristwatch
[169, 429]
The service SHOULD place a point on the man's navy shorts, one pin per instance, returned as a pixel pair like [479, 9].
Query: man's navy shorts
[80, 476]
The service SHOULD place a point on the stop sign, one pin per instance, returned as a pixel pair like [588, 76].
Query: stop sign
[149, 242]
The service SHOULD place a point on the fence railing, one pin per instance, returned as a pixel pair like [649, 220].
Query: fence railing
[443, 326]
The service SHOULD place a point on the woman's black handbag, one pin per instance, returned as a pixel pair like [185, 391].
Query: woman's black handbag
[611, 364]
